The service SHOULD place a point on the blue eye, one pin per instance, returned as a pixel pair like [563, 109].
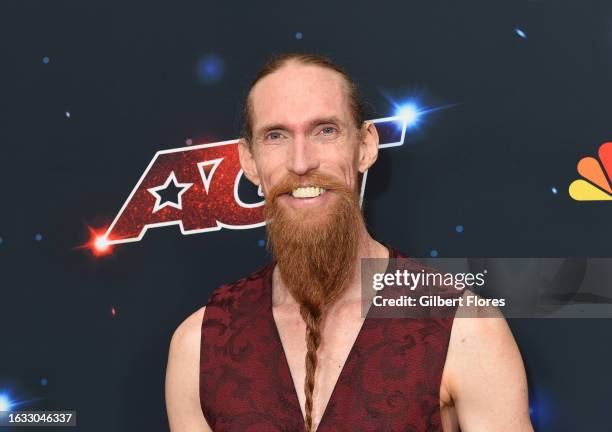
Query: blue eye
[274, 135]
[328, 130]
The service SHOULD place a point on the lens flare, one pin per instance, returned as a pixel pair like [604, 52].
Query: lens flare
[98, 243]
[409, 114]
[5, 402]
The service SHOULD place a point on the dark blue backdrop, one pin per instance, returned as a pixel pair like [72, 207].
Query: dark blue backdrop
[90, 90]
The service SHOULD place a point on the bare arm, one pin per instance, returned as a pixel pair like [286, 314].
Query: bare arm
[182, 377]
[484, 375]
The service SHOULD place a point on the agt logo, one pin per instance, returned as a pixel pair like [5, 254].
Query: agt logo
[595, 184]
[201, 188]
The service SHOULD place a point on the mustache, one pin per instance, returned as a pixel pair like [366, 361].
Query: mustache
[291, 181]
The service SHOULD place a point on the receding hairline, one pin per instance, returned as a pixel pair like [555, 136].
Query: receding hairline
[296, 62]
[293, 63]
[279, 62]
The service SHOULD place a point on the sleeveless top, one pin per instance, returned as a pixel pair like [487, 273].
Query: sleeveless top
[390, 380]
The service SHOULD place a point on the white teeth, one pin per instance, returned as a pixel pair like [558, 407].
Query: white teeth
[307, 192]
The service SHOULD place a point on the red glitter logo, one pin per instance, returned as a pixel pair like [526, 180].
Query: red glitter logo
[197, 188]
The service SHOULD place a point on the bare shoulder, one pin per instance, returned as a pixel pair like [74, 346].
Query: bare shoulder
[188, 332]
[484, 374]
[480, 334]
[476, 323]
[182, 377]
[185, 342]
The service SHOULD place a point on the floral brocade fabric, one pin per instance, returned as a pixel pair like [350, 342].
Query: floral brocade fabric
[390, 381]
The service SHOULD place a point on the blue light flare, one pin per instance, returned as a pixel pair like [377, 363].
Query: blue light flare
[5, 402]
[409, 114]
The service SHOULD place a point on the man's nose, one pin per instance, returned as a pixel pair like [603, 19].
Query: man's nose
[302, 157]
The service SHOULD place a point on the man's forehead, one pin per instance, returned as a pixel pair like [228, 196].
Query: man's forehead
[297, 94]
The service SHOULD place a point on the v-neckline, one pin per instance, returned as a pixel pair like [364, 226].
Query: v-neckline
[285, 361]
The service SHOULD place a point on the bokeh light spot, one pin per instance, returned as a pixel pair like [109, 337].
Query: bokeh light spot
[210, 68]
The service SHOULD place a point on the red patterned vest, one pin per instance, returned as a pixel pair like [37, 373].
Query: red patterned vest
[390, 381]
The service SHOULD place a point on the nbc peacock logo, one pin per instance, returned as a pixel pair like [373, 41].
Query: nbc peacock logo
[596, 181]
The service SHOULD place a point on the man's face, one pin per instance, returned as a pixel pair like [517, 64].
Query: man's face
[301, 125]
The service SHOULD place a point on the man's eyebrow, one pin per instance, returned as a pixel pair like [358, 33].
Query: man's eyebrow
[267, 128]
[315, 122]
[323, 120]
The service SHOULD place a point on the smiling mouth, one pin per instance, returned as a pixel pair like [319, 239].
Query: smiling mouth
[307, 192]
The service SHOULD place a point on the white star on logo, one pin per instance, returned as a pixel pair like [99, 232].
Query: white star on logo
[171, 178]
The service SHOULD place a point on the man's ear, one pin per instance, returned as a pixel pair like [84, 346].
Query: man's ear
[247, 162]
[368, 148]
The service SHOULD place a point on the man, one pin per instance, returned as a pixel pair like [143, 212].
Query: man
[287, 348]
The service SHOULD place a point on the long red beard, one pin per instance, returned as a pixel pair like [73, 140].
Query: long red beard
[315, 251]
